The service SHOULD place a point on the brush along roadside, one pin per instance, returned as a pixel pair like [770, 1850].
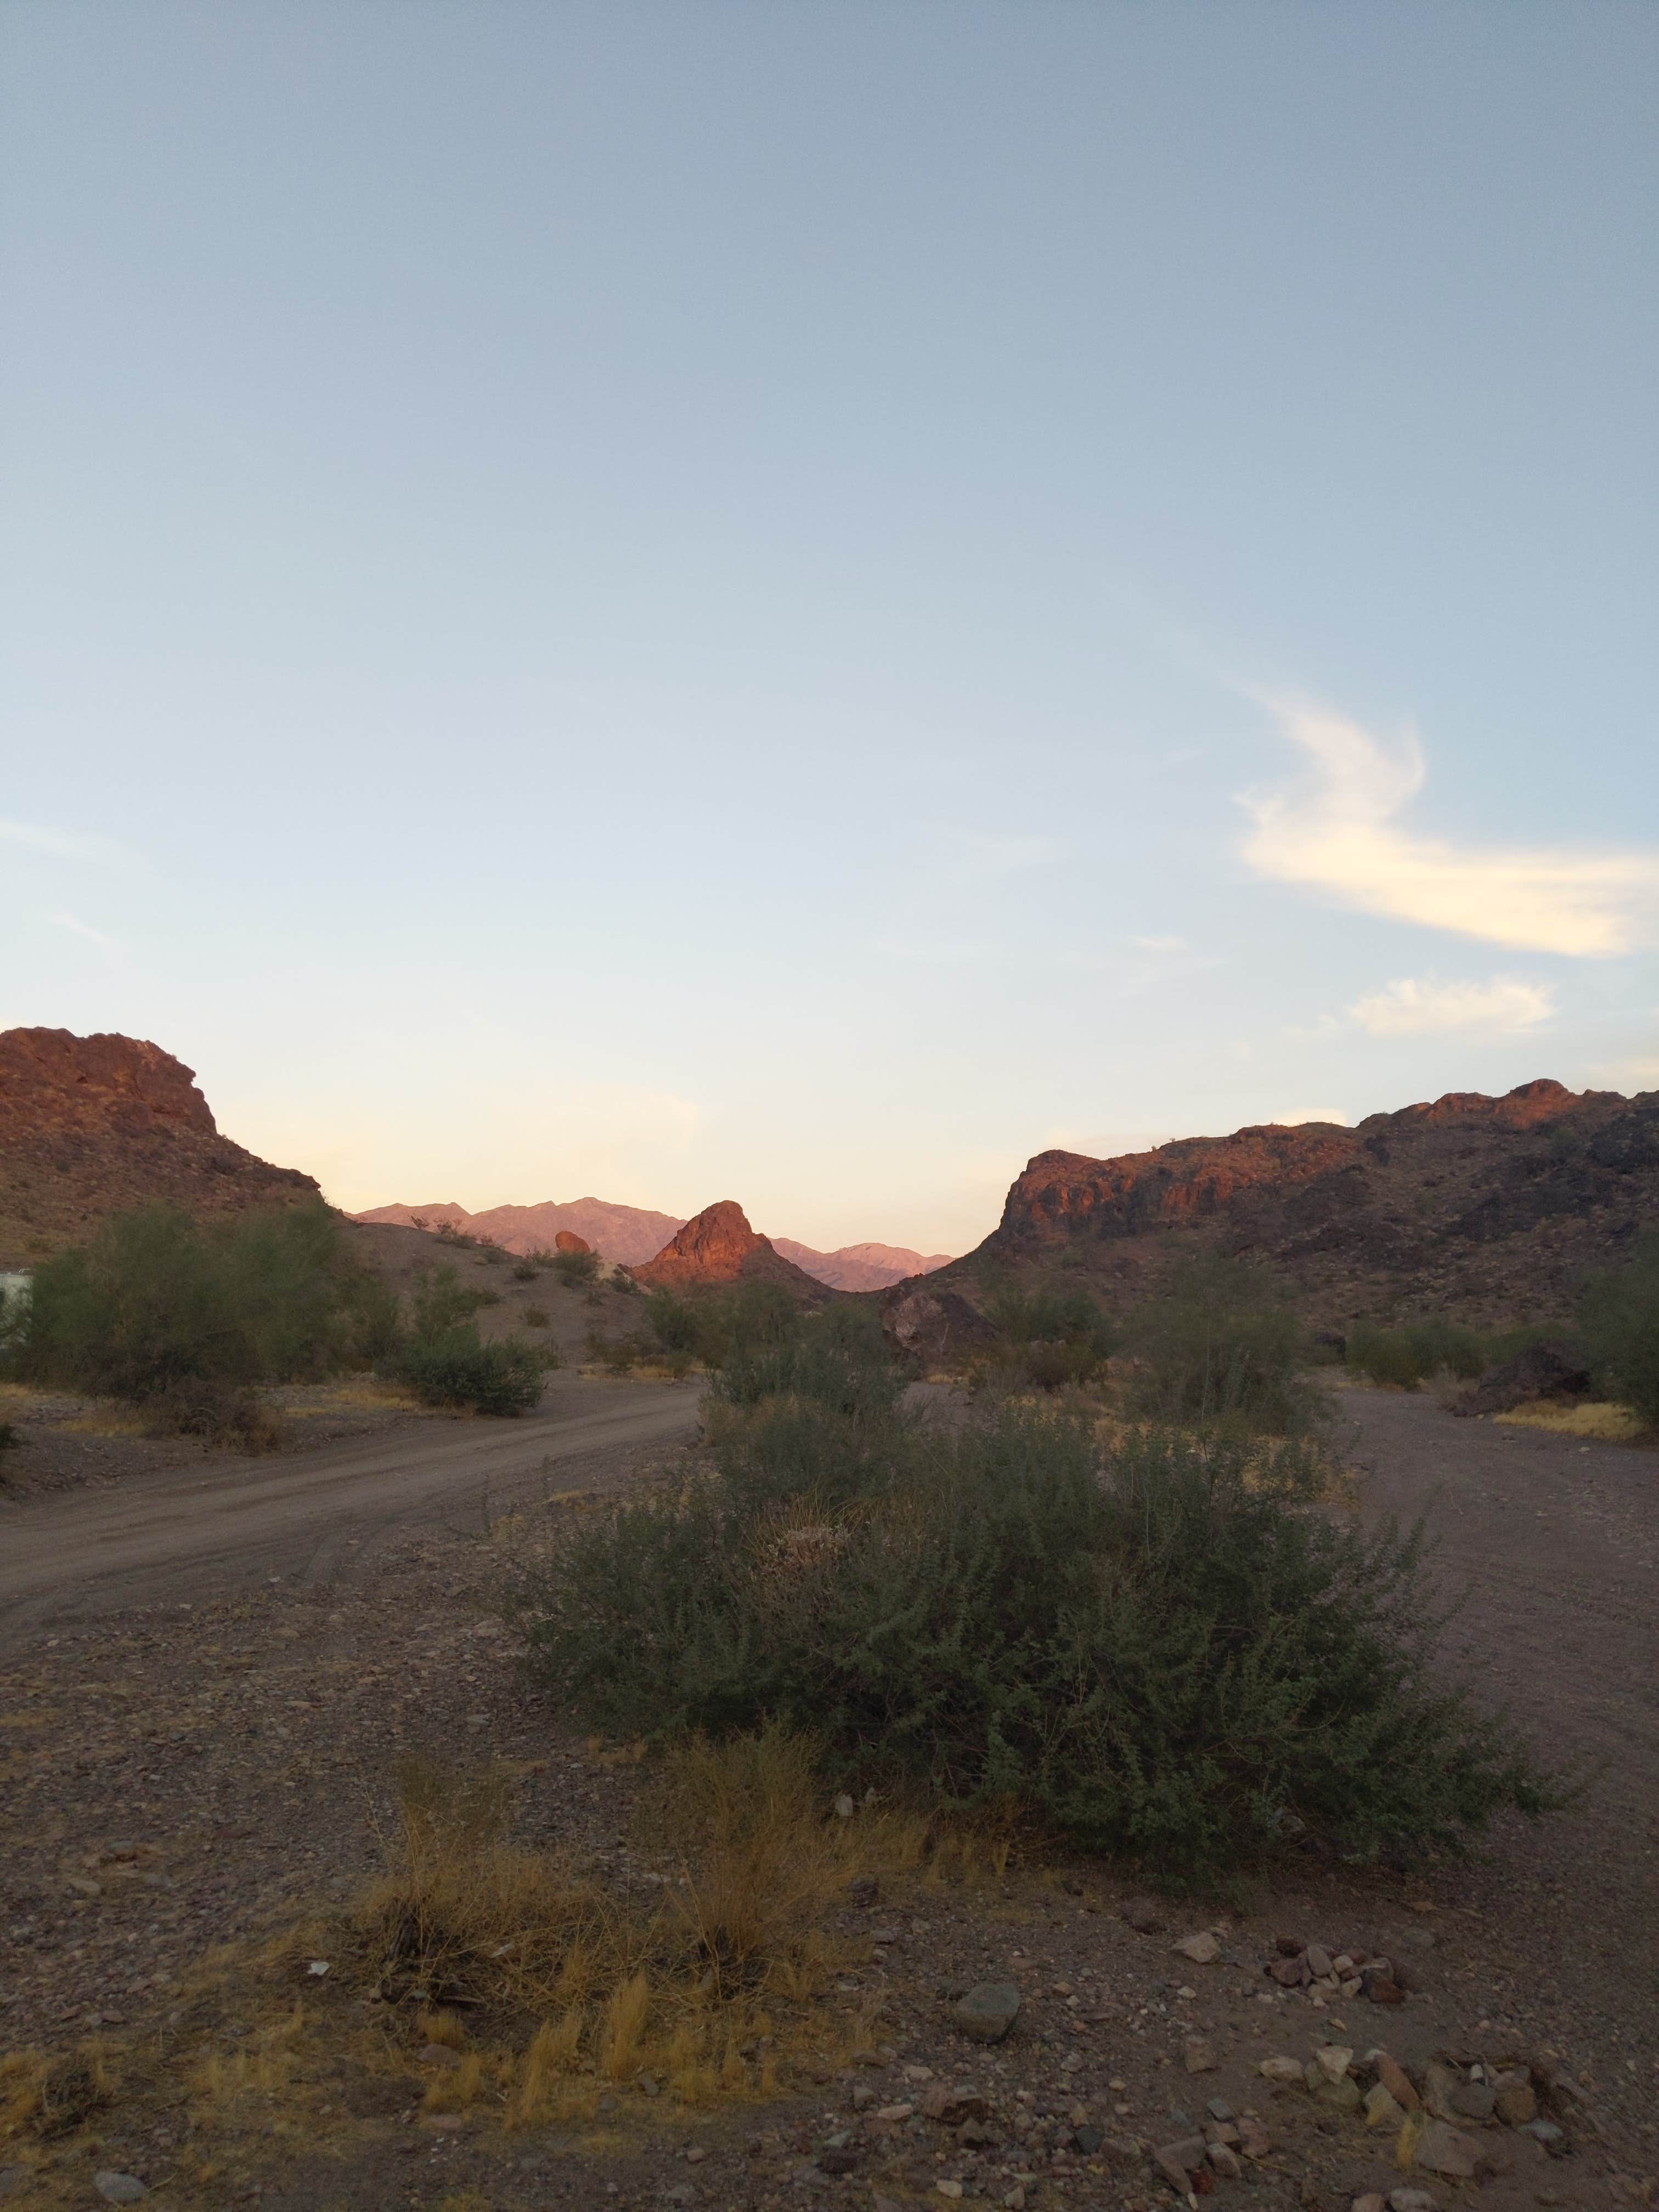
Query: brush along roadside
[480, 1983]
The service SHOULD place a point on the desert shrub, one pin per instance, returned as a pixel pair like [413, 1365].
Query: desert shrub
[835, 1356]
[737, 1322]
[157, 1300]
[1215, 1344]
[525, 1271]
[575, 1270]
[222, 1413]
[618, 1355]
[457, 1368]
[489, 1297]
[1047, 1340]
[537, 1317]
[1167, 1653]
[448, 1232]
[1414, 1352]
[491, 1254]
[1619, 1325]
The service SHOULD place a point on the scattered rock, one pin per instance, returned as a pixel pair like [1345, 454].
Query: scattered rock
[1372, 2201]
[1179, 2160]
[864, 1889]
[1283, 2073]
[1515, 2106]
[987, 2011]
[439, 2057]
[895, 2111]
[952, 2107]
[1202, 1949]
[1254, 2139]
[1441, 2149]
[119, 2188]
[1394, 2079]
[1413, 2200]
[948, 2188]
[1381, 2110]
[1142, 1915]
[1319, 1962]
[838, 2161]
[1087, 2140]
[1344, 2095]
[1289, 1973]
[1333, 2060]
[1198, 2056]
[1475, 2100]
[1224, 2160]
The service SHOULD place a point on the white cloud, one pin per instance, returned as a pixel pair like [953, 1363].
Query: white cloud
[1417, 1007]
[1340, 835]
[63, 920]
[1160, 944]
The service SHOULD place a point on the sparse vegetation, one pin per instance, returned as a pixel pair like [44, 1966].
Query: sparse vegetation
[537, 1317]
[1047, 1340]
[1216, 1346]
[444, 1362]
[183, 1319]
[1162, 1650]
[525, 1271]
[1414, 1352]
[1618, 1322]
[576, 1270]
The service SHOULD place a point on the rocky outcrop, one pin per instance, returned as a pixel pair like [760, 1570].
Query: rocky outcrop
[622, 1233]
[92, 1126]
[1491, 1208]
[1557, 1372]
[718, 1246]
[566, 1240]
[931, 1326]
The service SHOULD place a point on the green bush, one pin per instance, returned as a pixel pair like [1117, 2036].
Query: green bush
[737, 1322]
[458, 1369]
[157, 1301]
[537, 1317]
[575, 1270]
[1047, 1340]
[1216, 1345]
[1415, 1351]
[1170, 1655]
[525, 1271]
[1619, 1325]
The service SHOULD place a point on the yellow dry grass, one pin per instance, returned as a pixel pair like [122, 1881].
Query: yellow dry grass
[1597, 1422]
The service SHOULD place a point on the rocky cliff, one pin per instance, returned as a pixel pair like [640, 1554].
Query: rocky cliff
[717, 1246]
[91, 1126]
[1490, 1208]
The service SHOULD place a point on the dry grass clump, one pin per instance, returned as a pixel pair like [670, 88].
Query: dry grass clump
[567, 1987]
[1597, 1421]
[48, 2097]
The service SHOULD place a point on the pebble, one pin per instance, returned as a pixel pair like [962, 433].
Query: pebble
[1395, 2080]
[1382, 2110]
[1442, 2149]
[1202, 1949]
[987, 2011]
[895, 2111]
[1515, 2105]
[1413, 2200]
[1283, 2073]
[119, 2188]
[1199, 2057]
[1333, 2060]
[948, 2188]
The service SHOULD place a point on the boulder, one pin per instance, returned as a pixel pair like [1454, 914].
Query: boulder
[932, 1325]
[1552, 1370]
[566, 1240]
[987, 2011]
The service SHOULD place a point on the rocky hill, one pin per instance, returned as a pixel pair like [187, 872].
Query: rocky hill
[1489, 1209]
[717, 1246]
[631, 1235]
[91, 1126]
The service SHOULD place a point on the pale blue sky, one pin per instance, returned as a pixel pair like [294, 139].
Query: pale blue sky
[797, 602]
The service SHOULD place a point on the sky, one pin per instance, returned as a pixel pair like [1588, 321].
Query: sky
[800, 603]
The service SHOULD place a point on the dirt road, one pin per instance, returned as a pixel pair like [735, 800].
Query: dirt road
[207, 1530]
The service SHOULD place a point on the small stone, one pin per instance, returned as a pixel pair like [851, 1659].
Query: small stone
[1283, 2073]
[1319, 1962]
[1179, 2160]
[1381, 2109]
[1224, 2160]
[863, 2096]
[838, 2161]
[883, 1935]
[948, 2188]
[1543, 2131]
[950, 2108]
[895, 2112]
[1476, 2101]
[83, 1885]
[119, 2188]
[1254, 2139]
[1515, 2105]
[1198, 2057]
[866, 2057]
[845, 1808]
[1015, 2199]
[649, 2086]
[1142, 1915]
[1413, 2200]
[696, 2156]
[1289, 1973]
[1289, 1947]
[1344, 2095]
[1441, 2149]
[1333, 2060]
[864, 1889]
[1201, 1948]
[1372, 2201]
[1441, 2083]
[1382, 1990]
[1395, 2080]
[987, 2011]
[1087, 2140]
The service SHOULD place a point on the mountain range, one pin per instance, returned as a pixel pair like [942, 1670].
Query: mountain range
[632, 1235]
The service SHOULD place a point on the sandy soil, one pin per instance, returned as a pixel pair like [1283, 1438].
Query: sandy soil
[178, 1779]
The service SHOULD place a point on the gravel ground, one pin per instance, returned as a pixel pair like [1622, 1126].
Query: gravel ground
[179, 1779]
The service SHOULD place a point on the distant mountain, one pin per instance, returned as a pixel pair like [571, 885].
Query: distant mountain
[862, 1266]
[632, 1235]
[1488, 1209]
[91, 1126]
[718, 1246]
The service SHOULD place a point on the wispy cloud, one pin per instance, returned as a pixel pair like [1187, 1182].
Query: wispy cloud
[1417, 1007]
[62, 844]
[1339, 834]
[1160, 944]
[73, 923]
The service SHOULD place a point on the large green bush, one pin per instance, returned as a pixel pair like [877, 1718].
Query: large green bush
[443, 1359]
[1215, 1344]
[1046, 1340]
[1169, 1652]
[1619, 1324]
[1415, 1351]
[157, 1304]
